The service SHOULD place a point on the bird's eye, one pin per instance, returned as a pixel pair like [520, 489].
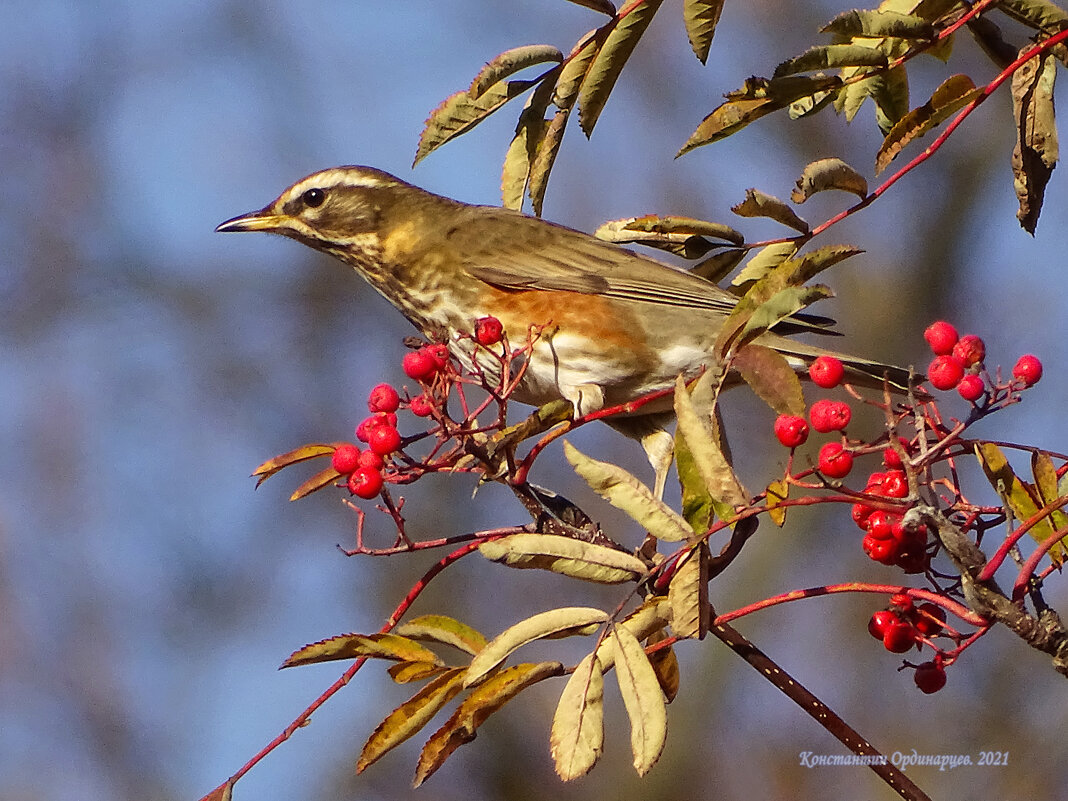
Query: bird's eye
[314, 198]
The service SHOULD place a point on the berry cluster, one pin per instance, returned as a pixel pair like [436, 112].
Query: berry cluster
[958, 364]
[835, 461]
[903, 625]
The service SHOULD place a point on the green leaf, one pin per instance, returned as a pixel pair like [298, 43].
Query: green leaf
[443, 629]
[698, 507]
[701, 18]
[763, 262]
[825, 174]
[835, 55]
[1023, 500]
[625, 492]
[694, 416]
[1040, 14]
[776, 493]
[565, 555]
[610, 60]
[758, 97]
[955, 93]
[523, 149]
[758, 204]
[577, 736]
[486, 699]
[890, 91]
[354, 646]
[642, 698]
[459, 113]
[576, 66]
[566, 621]
[779, 307]
[545, 158]
[410, 717]
[717, 267]
[510, 62]
[771, 377]
[880, 24]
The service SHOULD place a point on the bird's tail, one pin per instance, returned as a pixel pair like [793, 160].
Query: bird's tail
[859, 371]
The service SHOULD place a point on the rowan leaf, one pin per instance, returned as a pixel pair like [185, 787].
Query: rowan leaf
[878, 24]
[778, 307]
[763, 262]
[576, 66]
[407, 672]
[625, 492]
[825, 174]
[717, 267]
[566, 621]
[666, 665]
[828, 56]
[1040, 14]
[522, 151]
[688, 594]
[698, 506]
[565, 555]
[354, 646]
[642, 698]
[544, 159]
[649, 618]
[1036, 151]
[953, 94]
[603, 6]
[410, 717]
[459, 113]
[776, 493]
[473, 711]
[682, 236]
[695, 427]
[610, 60]
[1023, 499]
[301, 454]
[576, 739]
[770, 376]
[510, 62]
[324, 478]
[758, 204]
[443, 629]
[701, 18]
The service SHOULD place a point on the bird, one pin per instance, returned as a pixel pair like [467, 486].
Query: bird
[615, 325]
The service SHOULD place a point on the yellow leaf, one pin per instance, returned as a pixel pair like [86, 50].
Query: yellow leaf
[688, 595]
[577, 735]
[642, 697]
[443, 629]
[565, 555]
[354, 646]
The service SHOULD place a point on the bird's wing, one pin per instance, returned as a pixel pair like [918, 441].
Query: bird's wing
[533, 254]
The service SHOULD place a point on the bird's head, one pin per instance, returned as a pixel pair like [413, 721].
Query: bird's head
[333, 210]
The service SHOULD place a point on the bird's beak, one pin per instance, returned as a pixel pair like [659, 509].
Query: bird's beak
[262, 220]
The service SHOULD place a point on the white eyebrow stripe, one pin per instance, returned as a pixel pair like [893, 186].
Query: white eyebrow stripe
[338, 176]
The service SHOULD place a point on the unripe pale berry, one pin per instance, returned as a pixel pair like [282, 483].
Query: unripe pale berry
[488, 330]
[383, 398]
[826, 371]
[345, 458]
[971, 387]
[384, 439]
[969, 350]
[419, 365]
[1028, 370]
[830, 415]
[941, 336]
[835, 461]
[365, 483]
[791, 430]
[945, 372]
[930, 677]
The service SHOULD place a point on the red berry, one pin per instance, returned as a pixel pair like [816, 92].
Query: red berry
[890, 456]
[488, 330]
[969, 350]
[894, 485]
[383, 398]
[882, 551]
[930, 677]
[421, 406]
[835, 461]
[1028, 370]
[791, 430]
[384, 440]
[365, 483]
[971, 387]
[439, 352]
[880, 524]
[945, 372]
[875, 483]
[941, 336]
[419, 365]
[901, 601]
[345, 458]
[899, 637]
[829, 415]
[929, 622]
[826, 372]
[370, 460]
[880, 622]
[861, 512]
[376, 420]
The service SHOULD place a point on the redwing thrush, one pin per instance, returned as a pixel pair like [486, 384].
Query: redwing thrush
[618, 325]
